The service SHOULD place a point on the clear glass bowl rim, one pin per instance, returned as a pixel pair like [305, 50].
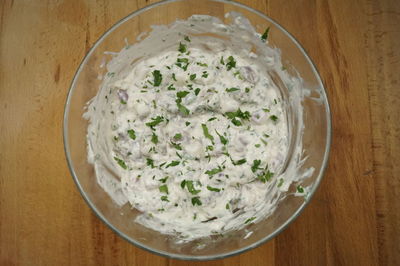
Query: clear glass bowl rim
[172, 255]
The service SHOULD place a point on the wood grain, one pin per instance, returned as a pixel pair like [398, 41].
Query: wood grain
[354, 218]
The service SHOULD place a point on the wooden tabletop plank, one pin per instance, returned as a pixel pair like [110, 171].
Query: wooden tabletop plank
[354, 218]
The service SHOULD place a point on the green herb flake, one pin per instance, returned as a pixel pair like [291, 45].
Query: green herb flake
[192, 77]
[182, 47]
[164, 198]
[221, 61]
[121, 162]
[205, 74]
[196, 201]
[232, 89]
[266, 176]
[187, 123]
[172, 164]
[255, 166]
[222, 138]
[157, 78]
[213, 189]
[132, 134]
[266, 110]
[122, 102]
[280, 182]
[227, 206]
[154, 138]
[206, 133]
[250, 220]
[163, 180]
[178, 136]
[257, 145]
[150, 162]
[186, 39]
[182, 94]
[247, 89]
[190, 187]
[155, 121]
[231, 63]
[239, 162]
[213, 171]
[174, 77]
[182, 63]
[264, 37]
[300, 189]
[171, 87]
[273, 118]
[202, 64]
[163, 189]
[197, 91]
[182, 109]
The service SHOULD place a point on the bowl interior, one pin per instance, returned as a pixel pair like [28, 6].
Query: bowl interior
[316, 135]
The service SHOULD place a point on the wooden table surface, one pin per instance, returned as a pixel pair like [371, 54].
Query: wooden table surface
[354, 218]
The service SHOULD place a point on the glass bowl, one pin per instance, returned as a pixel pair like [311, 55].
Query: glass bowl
[315, 141]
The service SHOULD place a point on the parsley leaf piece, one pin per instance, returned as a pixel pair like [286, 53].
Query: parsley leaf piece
[154, 138]
[150, 162]
[182, 109]
[213, 171]
[222, 138]
[178, 136]
[255, 166]
[192, 77]
[172, 164]
[300, 189]
[249, 220]
[182, 94]
[197, 91]
[121, 162]
[189, 185]
[176, 146]
[264, 37]
[163, 189]
[171, 87]
[273, 118]
[239, 162]
[132, 134]
[164, 198]
[232, 89]
[182, 63]
[280, 182]
[196, 201]
[186, 39]
[155, 121]
[163, 180]
[231, 63]
[206, 133]
[182, 47]
[213, 189]
[157, 78]
[174, 77]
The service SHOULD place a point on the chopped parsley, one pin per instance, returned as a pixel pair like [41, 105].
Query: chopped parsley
[221, 61]
[255, 166]
[247, 90]
[300, 189]
[239, 162]
[182, 109]
[132, 134]
[280, 182]
[187, 123]
[231, 63]
[164, 198]
[171, 87]
[266, 176]
[174, 77]
[155, 121]
[157, 78]
[182, 94]
[222, 138]
[273, 118]
[257, 145]
[150, 162]
[264, 37]
[213, 189]
[206, 133]
[182, 63]
[182, 47]
[121, 162]
[192, 77]
[196, 201]
[205, 74]
[163, 180]
[163, 189]
[213, 171]
[178, 136]
[154, 138]
[232, 89]
[190, 187]
[172, 164]
[238, 114]
[250, 220]
[186, 39]
[197, 91]
[202, 64]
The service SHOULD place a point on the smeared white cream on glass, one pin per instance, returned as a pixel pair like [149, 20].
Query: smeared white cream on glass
[190, 129]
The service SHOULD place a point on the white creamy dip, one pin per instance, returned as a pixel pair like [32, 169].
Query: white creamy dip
[190, 129]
